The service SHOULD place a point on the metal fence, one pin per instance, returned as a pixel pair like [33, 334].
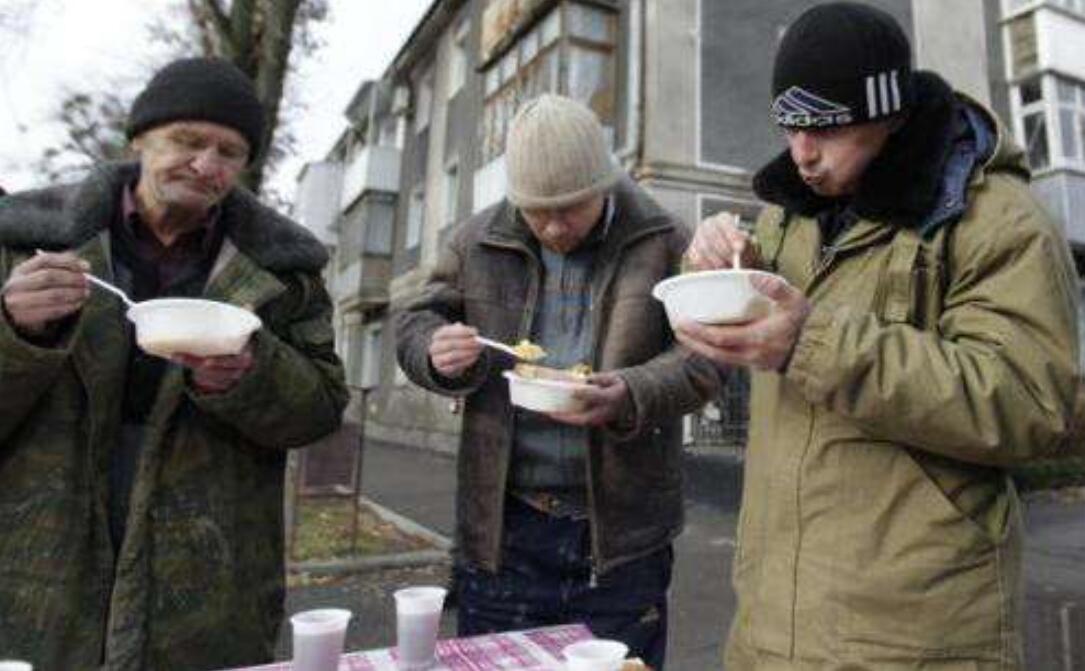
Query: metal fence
[724, 422]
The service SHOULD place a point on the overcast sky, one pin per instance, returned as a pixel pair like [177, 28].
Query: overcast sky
[65, 44]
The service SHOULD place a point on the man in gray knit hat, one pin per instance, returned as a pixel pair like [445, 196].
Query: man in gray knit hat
[564, 517]
[140, 497]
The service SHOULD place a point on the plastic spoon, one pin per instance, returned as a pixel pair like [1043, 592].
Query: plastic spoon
[508, 349]
[109, 287]
[101, 283]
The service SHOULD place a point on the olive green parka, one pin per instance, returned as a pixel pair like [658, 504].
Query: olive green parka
[198, 582]
[879, 529]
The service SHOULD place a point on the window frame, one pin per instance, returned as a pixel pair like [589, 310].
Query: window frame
[1050, 108]
[451, 195]
[416, 202]
[496, 85]
[459, 59]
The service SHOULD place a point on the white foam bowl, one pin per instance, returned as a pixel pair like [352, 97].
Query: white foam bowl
[168, 326]
[712, 297]
[543, 395]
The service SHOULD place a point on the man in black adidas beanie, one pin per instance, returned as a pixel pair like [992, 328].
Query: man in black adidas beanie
[923, 343]
[141, 514]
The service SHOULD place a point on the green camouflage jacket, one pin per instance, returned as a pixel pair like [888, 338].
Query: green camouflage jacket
[198, 582]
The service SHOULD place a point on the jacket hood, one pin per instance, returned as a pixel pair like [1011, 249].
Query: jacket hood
[64, 217]
[915, 156]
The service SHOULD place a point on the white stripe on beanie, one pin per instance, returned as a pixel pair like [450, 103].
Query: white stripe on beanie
[883, 94]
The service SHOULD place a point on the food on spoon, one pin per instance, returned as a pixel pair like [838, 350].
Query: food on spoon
[529, 351]
[577, 373]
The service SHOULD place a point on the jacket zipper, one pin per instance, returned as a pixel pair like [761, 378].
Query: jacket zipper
[594, 310]
[523, 331]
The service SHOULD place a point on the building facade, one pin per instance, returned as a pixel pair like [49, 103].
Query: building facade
[682, 88]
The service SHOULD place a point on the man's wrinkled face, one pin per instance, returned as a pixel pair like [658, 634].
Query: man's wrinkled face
[562, 229]
[831, 161]
[189, 165]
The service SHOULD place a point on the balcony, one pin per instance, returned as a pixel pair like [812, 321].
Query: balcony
[363, 284]
[316, 197]
[375, 168]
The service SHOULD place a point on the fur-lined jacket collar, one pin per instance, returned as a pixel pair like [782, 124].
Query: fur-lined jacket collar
[65, 217]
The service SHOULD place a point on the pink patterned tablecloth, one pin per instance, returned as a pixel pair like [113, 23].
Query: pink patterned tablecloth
[531, 650]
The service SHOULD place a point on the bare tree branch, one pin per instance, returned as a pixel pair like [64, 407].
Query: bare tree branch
[267, 29]
[245, 23]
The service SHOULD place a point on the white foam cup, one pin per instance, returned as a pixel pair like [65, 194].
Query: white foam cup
[318, 638]
[595, 655]
[418, 617]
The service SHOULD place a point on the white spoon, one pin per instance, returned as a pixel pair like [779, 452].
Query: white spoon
[508, 349]
[109, 287]
[101, 283]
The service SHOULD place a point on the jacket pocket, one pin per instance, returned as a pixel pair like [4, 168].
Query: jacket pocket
[916, 575]
[910, 286]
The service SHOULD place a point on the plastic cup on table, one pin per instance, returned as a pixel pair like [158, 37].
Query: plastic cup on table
[418, 617]
[595, 655]
[318, 638]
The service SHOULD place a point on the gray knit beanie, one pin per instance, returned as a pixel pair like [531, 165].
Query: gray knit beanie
[556, 155]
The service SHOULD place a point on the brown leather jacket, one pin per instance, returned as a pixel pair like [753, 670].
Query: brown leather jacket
[489, 277]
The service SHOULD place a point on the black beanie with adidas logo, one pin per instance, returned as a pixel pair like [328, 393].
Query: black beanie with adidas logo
[839, 64]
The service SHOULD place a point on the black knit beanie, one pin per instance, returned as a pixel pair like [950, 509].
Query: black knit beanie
[841, 63]
[200, 89]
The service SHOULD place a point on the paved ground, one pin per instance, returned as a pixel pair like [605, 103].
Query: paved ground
[420, 485]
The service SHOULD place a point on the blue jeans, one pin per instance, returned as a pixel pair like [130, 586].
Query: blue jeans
[546, 579]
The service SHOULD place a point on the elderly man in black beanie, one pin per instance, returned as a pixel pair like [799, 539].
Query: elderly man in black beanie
[924, 340]
[141, 497]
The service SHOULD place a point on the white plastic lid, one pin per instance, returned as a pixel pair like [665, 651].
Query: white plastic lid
[420, 599]
[317, 621]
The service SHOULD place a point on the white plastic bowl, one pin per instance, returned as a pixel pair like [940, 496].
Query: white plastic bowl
[543, 395]
[712, 297]
[168, 326]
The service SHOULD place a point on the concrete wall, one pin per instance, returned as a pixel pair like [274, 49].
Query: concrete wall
[961, 54]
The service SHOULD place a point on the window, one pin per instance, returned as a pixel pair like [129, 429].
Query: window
[1070, 98]
[371, 357]
[378, 227]
[457, 62]
[423, 104]
[570, 51]
[1033, 113]
[352, 362]
[415, 217]
[1051, 109]
[452, 193]
[1024, 55]
[388, 135]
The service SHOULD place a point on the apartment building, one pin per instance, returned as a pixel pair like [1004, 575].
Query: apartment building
[682, 87]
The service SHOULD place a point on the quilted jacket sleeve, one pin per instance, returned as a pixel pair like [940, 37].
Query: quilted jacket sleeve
[994, 383]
